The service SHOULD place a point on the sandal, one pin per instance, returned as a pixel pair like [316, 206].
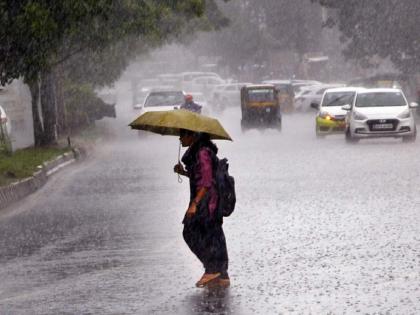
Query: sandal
[224, 283]
[207, 279]
[221, 283]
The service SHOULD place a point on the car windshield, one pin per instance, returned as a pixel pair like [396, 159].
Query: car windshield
[338, 98]
[164, 99]
[380, 99]
[261, 95]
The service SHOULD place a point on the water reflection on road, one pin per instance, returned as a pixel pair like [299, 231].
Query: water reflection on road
[320, 226]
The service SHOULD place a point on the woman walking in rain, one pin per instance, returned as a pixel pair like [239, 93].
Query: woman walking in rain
[203, 231]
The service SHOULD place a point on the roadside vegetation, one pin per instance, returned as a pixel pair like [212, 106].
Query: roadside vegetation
[23, 163]
[65, 51]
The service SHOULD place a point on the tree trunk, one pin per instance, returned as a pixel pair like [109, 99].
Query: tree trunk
[34, 87]
[61, 112]
[49, 108]
[44, 109]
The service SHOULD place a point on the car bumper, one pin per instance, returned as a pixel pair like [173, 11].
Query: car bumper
[330, 126]
[403, 127]
[265, 113]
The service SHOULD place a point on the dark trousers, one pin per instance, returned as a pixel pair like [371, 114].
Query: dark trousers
[208, 243]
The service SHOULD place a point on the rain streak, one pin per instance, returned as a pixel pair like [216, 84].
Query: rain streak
[314, 104]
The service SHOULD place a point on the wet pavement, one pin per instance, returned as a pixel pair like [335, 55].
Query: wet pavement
[320, 227]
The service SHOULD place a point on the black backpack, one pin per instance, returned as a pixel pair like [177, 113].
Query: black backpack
[225, 187]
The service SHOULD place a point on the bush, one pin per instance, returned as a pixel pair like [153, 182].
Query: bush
[83, 107]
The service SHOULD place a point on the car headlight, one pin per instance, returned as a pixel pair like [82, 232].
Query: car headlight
[405, 114]
[359, 116]
[325, 115]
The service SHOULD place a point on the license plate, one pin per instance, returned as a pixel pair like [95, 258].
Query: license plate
[267, 110]
[383, 126]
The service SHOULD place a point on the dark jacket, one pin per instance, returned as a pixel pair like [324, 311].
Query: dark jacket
[192, 164]
[192, 107]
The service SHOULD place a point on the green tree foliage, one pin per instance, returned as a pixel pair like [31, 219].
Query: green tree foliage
[101, 67]
[83, 106]
[384, 28]
[258, 28]
[294, 25]
[40, 35]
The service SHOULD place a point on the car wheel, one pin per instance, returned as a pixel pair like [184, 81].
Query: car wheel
[276, 124]
[411, 138]
[318, 134]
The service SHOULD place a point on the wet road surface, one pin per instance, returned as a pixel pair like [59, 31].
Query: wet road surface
[320, 227]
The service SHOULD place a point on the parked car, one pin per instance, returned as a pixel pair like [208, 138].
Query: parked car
[188, 77]
[170, 79]
[287, 90]
[330, 118]
[205, 85]
[285, 94]
[163, 100]
[312, 94]
[227, 95]
[140, 93]
[380, 113]
[298, 85]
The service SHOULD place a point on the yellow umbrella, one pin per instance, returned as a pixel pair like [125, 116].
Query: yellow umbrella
[170, 122]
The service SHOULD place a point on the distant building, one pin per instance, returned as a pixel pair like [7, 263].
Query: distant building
[15, 98]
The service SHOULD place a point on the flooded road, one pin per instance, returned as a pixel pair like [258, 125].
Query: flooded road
[320, 226]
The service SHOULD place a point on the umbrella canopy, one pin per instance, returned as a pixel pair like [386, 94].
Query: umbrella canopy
[171, 122]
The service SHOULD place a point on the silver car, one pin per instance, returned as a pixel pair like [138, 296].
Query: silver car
[380, 113]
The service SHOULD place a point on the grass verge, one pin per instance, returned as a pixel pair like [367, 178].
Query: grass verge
[23, 163]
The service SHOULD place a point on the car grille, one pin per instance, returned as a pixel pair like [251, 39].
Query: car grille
[382, 124]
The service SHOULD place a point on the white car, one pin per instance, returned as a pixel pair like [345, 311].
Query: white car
[170, 79]
[380, 113]
[188, 77]
[205, 85]
[162, 100]
[140, 94]
[330, 118]
[227, 95]
[310, 94]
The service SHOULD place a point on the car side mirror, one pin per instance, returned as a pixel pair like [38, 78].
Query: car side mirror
[315, 105]
[346, 107]
[414, 105]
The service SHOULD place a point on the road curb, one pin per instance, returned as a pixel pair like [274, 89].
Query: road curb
[20, 189]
